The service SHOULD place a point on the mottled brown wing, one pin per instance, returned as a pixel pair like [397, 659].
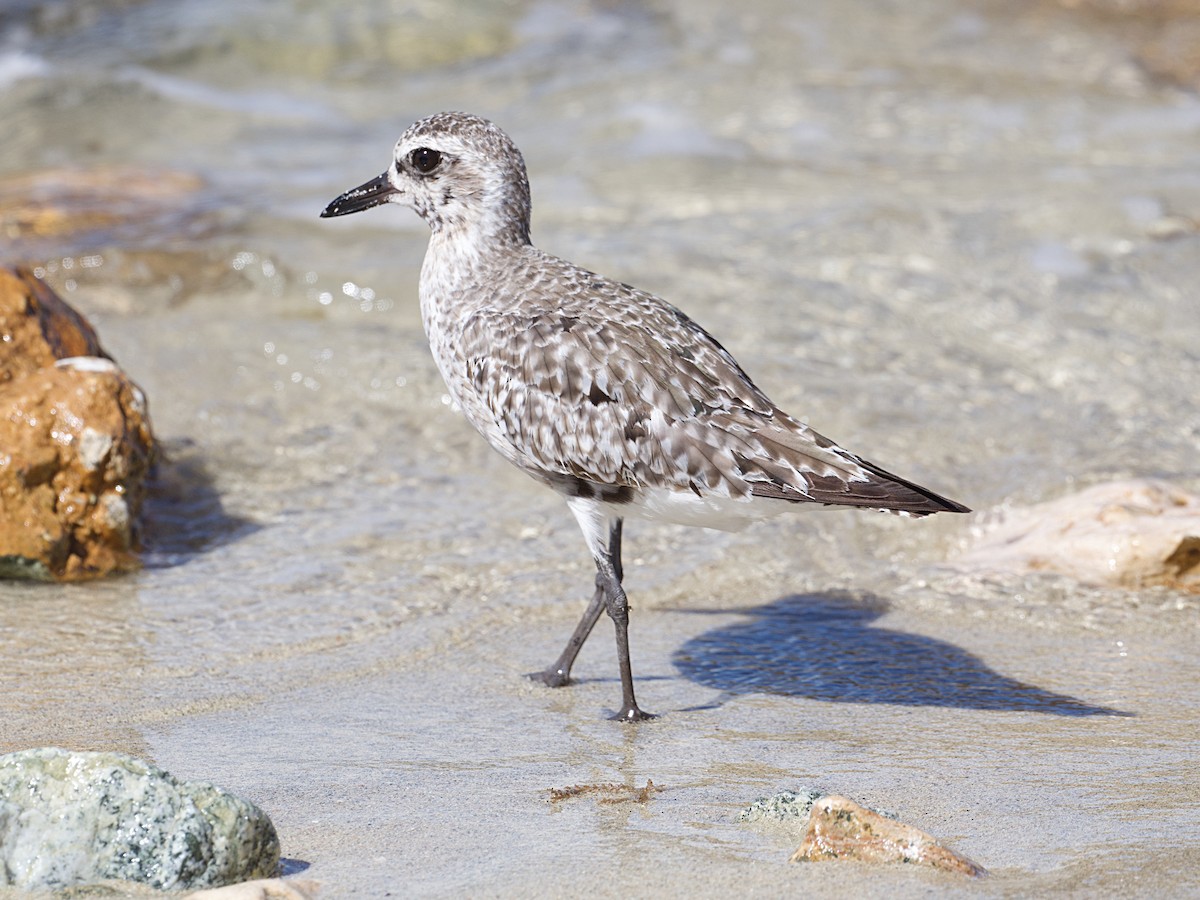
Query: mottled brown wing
[651, 400]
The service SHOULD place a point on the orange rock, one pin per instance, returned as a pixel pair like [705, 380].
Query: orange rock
[36, 327]
[75, 442]
[838, 828]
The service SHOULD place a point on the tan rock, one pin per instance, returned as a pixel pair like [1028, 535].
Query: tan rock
[1129, 534]
[838, 828]
[75, 442]
[1163, 34]
[260, 889]
[1173, 54]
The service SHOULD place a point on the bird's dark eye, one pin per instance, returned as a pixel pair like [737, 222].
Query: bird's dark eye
[424, 159]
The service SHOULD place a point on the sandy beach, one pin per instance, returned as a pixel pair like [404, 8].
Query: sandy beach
[958, 239]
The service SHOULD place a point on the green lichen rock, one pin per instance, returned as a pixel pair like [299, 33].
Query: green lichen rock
[69, 818]
[786, 806]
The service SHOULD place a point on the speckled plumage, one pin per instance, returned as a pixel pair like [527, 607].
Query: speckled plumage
[606, 393]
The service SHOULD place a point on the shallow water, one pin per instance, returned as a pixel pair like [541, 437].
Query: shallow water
[945, 233]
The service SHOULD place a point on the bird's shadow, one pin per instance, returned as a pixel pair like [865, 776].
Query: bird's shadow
[824, 647]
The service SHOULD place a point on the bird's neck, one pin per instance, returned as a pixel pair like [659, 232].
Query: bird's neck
[458, 267]
[464, 252]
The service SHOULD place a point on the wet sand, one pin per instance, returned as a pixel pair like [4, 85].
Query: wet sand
[956, 241]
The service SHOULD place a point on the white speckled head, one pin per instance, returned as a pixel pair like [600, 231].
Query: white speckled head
[460, 173]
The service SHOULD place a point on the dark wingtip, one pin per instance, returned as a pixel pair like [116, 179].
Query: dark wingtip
[882, 491]
[926, 502]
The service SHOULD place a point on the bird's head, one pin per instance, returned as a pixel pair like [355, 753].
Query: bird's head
[459, 172]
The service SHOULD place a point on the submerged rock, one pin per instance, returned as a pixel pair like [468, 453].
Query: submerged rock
[70, 818]
[836, 827]
[1129, 534]
[75, 442]
[1164, 34]
[45, 212]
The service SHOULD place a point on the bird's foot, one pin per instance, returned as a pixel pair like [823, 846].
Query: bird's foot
[552, 677]
[633, 714]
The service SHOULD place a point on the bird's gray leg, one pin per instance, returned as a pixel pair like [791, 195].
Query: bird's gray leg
[608, 576]
[595, 521]
[559, 673]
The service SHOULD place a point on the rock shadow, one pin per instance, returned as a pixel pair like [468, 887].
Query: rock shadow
[823, 647]
[183, 515]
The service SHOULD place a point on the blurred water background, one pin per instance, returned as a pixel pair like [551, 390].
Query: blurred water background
[959, 238]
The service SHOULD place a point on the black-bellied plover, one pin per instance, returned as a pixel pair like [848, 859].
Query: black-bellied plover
[607, 394]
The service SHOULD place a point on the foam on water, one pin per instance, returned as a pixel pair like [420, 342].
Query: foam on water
[17, 65]
[268, 104]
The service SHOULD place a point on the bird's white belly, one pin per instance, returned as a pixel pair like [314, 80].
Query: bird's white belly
[725, 513]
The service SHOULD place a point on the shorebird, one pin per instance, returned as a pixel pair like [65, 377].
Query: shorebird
[603, 392]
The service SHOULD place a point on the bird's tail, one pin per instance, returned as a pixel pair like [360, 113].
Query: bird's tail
[870, 488]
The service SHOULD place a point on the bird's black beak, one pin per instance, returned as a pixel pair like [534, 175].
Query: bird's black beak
[374, 192]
